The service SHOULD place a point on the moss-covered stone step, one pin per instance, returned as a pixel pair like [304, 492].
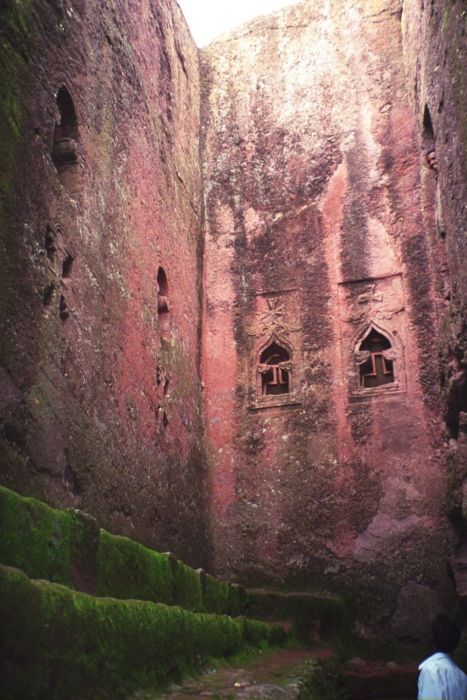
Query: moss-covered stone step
[63, 644]
[309, 613]
[68, 547]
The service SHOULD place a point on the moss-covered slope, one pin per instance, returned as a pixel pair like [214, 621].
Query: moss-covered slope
[63, 644]
[68, 547]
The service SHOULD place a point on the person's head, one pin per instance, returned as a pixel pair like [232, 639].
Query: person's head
[446, 634]
[432, 160]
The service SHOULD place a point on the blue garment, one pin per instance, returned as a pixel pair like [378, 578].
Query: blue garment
[441, 679]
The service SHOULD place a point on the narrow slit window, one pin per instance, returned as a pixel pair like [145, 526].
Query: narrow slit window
[163, 307]
[67, 265]
[50, 243]
[428, 130]
[163, 292]
[49, 293]
[64, 311]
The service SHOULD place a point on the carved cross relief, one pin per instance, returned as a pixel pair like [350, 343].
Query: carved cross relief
[271, 323]
[372, 303]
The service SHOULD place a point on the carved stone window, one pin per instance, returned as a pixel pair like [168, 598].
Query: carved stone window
[274, 368]
[376, 361]
[377, 366]
[276, 365]
[275, 378]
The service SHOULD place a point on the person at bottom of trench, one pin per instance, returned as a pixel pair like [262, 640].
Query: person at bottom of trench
[440, 678]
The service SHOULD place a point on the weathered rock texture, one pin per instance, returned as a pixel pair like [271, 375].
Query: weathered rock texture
[435, 47]
[326, 230]
[316, 232]
[100, 398]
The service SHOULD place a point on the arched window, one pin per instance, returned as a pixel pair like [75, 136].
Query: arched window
[274, 369]
[64, 151]
[376, 360]
[163, 308]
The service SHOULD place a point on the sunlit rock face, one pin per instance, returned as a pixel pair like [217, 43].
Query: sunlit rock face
[101, 189]
[327, 467]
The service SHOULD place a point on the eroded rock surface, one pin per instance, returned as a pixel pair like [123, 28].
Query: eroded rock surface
[317, 257]
[100, 190]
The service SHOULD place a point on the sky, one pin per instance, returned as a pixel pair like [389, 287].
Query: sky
[209, 18]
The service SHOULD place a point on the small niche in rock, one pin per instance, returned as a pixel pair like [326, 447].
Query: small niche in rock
[49, 294]
[163, 308]
[428, 130]
[456, 398]
[13, 436]
[67, 265]
[64, 311]
[50, 243]
[166, 387]
[65, 145]
[165, 420]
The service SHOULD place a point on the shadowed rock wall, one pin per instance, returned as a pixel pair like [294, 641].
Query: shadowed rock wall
[99, 392]
[435, 50]
[315, 238]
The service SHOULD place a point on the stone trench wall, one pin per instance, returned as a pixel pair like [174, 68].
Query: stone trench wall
[100, 394]
[316, 232]
[435, 49]
[323, 221]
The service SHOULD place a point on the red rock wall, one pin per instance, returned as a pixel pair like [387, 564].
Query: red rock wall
[435, 51]
[87, 418]
[316, 233]
[323, 223]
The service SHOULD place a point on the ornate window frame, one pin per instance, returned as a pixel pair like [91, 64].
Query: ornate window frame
[260, 400]
[275, 323]
[394, 354]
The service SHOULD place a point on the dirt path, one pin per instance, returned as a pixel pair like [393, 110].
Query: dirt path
[272, 676]
[276, 676]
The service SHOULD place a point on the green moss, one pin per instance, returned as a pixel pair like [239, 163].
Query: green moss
[308, 612]
[238, 600]
[43, 542]
[14, 16]
[63, 644]
[68, 547]
[322, 681]
[255, 631]
[224, 598]
[216, 595]
[187, 586]
[127, 569]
